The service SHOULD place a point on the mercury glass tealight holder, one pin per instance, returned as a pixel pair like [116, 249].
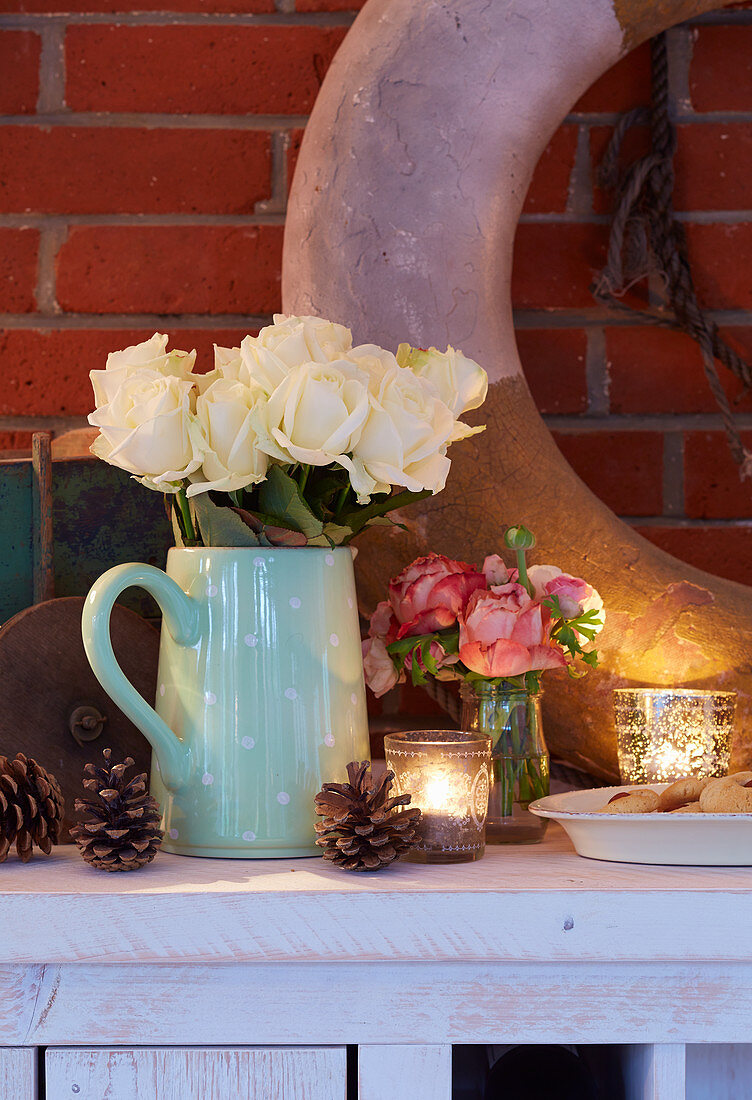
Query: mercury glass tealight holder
[667, 733]
[447, 774]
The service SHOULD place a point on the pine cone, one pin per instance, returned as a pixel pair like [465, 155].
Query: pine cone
[359, 831]
[31, 807]
[121, 831]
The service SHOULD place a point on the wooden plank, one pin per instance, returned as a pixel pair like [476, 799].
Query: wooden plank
[654, 1071]
[258, 1004]
[20, 988]
[145, 1074]
[405, 1072]
[16, 587]
[531, 904]
[719, 1071]
[18, 1074]
[43, 545]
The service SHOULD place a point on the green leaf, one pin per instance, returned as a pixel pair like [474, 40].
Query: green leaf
[176, 532]
[220, 526]
[281, 501]
[357, 518]
[337, 534]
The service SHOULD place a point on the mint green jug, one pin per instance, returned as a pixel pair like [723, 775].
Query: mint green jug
[260, 692]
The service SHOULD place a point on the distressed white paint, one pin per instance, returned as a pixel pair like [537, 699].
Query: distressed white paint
[534, 903]
[250, 1004]
[148, 1074]
[654, 1072]
[404, 1072]
[18, 1074]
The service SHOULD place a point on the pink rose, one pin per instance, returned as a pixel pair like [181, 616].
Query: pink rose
[430, 594]
[436, 650]
[383, 623]
[381, 675]
[575, 595]
[495, 571]
[505, 633]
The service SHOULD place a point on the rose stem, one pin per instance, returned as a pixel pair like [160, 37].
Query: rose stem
[185, 515]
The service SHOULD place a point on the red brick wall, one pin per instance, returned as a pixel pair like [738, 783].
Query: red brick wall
[145, 160]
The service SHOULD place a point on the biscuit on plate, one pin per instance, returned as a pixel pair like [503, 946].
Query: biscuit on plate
[680, 793]
[726, 796]
[687, 808]
[637, 801]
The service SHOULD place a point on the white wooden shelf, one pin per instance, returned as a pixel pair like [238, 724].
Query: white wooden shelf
[531, 944]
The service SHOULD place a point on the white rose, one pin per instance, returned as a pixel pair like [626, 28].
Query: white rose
[152, 354]
[404, 439]
[315, 414]
[460, 382]
[147, 428]
[231, 457]
[376, 361]
[297, 340]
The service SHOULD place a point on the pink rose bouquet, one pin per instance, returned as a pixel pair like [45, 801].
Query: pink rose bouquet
[455, 621]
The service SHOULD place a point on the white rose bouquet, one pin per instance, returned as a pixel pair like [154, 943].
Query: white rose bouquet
[294, 438]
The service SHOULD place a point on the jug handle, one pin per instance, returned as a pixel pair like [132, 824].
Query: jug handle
[180, 618]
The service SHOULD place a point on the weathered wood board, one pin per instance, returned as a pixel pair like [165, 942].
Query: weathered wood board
[101, 517]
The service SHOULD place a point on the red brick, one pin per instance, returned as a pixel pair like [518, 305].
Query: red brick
[554, 364]
[549, 187]
[656, 370]
[724, 551]
[295, 138]
[713, 488]
[172, 269]
[721, 259]
[624, 469]
[96, 170]
[625, 85]
[237, 70]
[46, 373]
[18, 269]
[19, 64]
[554, 265]
[54, 7]
[720, 76]
[713, 166]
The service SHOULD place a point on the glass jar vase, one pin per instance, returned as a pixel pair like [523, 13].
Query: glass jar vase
[511, 717]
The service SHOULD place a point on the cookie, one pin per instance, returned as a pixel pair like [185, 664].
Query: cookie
[727, 796]
[688, 808]
[680, 793]
[637, 801]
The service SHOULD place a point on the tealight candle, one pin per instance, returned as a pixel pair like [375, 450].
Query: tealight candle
[447, 773]
[667, 733]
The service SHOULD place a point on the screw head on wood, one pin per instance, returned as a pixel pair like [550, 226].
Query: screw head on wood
[86, 723]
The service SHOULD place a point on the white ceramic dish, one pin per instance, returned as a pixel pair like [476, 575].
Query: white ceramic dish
[694, 840]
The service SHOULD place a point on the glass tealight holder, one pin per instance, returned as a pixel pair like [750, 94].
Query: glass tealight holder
[447, 773]
[668, 733]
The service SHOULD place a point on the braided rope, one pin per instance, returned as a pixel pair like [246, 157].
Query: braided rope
[647, 240]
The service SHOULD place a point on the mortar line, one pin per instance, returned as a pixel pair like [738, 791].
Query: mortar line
[52, 70]
[72, 322]
[157, 120]
[51, 238]
[35, 20]
[152, 221]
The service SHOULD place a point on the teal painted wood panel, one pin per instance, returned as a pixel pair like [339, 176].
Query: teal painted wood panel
[101, 518]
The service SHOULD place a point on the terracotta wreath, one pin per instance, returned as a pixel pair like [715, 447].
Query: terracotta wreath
[411, 178]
